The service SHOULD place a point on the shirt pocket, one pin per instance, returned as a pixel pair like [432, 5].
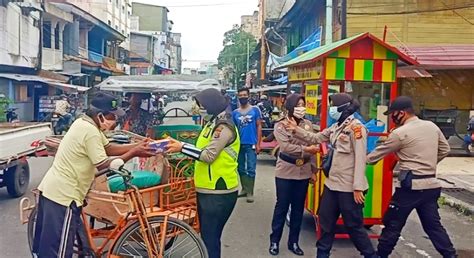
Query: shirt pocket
[343, 144]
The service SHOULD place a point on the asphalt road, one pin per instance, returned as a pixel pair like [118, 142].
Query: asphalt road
[246, 234]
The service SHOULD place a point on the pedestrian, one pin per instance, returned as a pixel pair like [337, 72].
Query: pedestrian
[196, 112]
[292, 174]
[136, 119]
[62, 108]
[215, 169]
[83, 151]
[419, 146]
[346, 183]
[248, 120]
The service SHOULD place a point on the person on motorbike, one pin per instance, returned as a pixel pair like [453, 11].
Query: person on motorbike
[62, 109]
[266, 109]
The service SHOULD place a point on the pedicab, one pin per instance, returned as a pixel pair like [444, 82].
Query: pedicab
[132, 219]
[365, 67]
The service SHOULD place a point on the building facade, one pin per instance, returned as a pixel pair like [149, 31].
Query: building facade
[151, 17]
[249, 24]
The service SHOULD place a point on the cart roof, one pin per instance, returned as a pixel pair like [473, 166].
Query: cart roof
[326, 50]
[158, 83]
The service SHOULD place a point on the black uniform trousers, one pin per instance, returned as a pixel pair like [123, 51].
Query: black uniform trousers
[289, 192]
[426, 204]
[214, 210]
[333, 204]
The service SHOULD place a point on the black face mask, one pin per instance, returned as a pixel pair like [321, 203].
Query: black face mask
[397, 117]
[243, 101]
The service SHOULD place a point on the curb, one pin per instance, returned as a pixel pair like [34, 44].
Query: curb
[461, 206]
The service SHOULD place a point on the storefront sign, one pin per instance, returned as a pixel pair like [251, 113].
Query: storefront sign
[311, 97]
[306, 72]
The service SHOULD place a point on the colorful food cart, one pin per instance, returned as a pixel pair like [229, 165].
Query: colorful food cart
[365, 67]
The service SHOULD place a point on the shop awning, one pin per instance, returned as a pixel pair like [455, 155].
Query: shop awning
[39, 79]
[443, 57]
[412, 72]
[326, 50]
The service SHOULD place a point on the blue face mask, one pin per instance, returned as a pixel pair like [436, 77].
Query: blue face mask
[334, 114]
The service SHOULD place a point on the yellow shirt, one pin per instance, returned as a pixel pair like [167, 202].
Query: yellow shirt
[74, 167]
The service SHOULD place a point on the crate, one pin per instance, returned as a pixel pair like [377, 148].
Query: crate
[184, 133]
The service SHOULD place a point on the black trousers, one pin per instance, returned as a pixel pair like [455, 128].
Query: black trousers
[214, 210]
[333, 204]
[426, 204]
[289, 192]
[56, 229]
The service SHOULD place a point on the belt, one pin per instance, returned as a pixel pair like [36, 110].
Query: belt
[423, 176]
[295, 161]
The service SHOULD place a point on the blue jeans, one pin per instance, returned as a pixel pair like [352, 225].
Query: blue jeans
[247, 160]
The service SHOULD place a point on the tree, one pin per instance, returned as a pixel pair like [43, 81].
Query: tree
[234, 54]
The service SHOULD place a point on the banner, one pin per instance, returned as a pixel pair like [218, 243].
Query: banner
[311, 97]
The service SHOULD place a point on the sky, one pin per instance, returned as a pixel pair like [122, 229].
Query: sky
[202, 24]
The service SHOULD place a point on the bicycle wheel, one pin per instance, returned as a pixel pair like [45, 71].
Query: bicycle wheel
[181, 240]
[31, 228]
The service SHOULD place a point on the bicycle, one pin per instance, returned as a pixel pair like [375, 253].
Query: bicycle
[146, 228]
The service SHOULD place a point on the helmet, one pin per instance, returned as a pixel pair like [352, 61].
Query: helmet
[263, 97]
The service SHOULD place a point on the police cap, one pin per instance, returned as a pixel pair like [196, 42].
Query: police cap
[399, 104]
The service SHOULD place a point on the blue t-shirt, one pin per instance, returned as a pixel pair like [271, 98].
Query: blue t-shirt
[247, 124]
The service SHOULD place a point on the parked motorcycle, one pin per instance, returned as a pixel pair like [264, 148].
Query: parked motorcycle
[12, 116]
[469, 137]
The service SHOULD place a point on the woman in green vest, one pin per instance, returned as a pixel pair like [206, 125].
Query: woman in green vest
[215, 172]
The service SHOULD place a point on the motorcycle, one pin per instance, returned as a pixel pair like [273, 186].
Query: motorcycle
[12, 116]
[469, 137]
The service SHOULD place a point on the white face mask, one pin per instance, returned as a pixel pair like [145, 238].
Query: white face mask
[299, 112]
[334, 114]
[105, 124]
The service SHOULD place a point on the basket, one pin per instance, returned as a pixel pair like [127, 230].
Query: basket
[176, 195]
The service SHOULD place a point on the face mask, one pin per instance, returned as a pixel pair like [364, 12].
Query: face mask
[334, 114]
[243, 101]
[397, 117]
[105, 124]
[299, 112]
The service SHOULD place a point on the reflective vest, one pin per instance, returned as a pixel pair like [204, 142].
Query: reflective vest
[224, 166]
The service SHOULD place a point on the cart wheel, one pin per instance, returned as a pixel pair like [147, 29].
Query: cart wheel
[181, 240]
[31, 228]
[17, 179]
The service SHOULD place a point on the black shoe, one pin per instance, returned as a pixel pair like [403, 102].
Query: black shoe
[274, 249]
[294, 248]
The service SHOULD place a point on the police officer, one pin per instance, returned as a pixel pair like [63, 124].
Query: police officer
[344, 188]
[215, 171]
[419, 146]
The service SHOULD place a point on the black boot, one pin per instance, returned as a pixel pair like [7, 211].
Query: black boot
[274, 249]
[322, 254]
[295, 248]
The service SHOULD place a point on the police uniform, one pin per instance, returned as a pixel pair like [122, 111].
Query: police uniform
[346, 175]
[419, 146]
[215, 174]
[293, 170]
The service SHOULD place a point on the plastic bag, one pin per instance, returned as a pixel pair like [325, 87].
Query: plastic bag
[374, 126]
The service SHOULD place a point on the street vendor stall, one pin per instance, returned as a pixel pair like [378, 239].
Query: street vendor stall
[365, 67]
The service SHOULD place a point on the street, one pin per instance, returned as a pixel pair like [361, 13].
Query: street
[246, 234]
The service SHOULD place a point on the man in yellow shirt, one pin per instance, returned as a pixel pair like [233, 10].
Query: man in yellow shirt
[83, 152]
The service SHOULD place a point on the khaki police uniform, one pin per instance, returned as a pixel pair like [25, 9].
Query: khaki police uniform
[419, 146]
[346, 175]
[293, 170]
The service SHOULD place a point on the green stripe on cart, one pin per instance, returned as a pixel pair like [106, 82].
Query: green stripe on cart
[369, 196]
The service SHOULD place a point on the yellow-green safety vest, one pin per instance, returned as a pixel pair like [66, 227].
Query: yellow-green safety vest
[224, 166]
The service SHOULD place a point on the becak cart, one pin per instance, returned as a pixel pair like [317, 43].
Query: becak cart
[365, 67]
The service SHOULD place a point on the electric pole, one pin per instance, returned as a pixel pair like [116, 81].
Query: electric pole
[263, 51]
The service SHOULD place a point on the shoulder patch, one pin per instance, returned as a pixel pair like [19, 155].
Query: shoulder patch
[357, 129]
[217, 132]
